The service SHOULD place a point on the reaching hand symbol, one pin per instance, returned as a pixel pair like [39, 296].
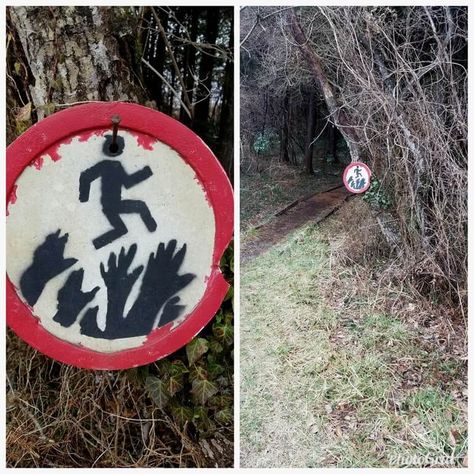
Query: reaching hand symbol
[161, 281]
[72, 300]
[48, 262]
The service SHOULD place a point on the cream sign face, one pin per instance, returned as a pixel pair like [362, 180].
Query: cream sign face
[356, 177]
[113, 238]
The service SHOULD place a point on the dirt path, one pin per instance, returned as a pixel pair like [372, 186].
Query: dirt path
[312, 208]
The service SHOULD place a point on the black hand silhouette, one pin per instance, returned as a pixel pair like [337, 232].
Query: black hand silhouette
[161, 274]
[72, 300]
[48, 262]
[118, 281]
[119, 284]
[160, 283]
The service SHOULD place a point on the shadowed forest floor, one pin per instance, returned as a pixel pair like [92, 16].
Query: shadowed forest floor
[313, 209]
[340, 365]
[276, 186]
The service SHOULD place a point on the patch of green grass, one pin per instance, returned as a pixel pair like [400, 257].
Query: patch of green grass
[382, 329]
[320, 376]
[437, 427]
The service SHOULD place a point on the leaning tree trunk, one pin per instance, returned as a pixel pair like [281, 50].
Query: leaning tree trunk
[76, 54]
[314, 63]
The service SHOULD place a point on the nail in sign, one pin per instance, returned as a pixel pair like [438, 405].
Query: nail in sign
[117, 216]
[356, 177]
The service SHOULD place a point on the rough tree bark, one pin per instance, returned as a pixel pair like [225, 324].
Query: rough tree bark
[76, 54]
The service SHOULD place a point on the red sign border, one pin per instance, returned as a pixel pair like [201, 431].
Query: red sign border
[346, 170]
[84, 118]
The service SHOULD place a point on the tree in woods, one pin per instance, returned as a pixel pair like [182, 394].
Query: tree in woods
[392, 83]
[178, 60]
[279, 94]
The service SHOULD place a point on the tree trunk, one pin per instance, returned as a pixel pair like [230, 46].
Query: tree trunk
[310, 124]
[189, 64]
[203, 96]
[339, 117]
[284, 142]
[156, 57]
[226, 122]
[74, 55]
[333, 142]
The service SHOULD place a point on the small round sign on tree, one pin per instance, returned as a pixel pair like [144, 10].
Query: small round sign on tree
[117, 217]
[356, 177]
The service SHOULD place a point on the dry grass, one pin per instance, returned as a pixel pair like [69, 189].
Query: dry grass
[59, 416]
[343, 366]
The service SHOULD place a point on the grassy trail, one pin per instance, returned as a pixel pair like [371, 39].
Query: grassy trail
[338, 370]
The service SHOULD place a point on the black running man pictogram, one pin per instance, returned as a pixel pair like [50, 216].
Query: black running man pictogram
[114, 177]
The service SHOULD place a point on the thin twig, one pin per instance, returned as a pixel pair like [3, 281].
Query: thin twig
[175, 92]
[188, 107]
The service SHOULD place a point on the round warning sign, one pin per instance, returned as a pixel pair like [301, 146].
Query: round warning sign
[117, 217]
[357, 177]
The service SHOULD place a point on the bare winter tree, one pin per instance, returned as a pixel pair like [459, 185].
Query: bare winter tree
[394, 82]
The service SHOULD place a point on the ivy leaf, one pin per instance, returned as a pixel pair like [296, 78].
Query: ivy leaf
[164, 366]
[181, 414]
[175, 384]
[199, 373]
[224, 416]
[157, 390]
[203, 390]
[215, 347]
[196, 349]
[201, 419]
[224, 332]
[229, 294]
[215, 369]
[219, 317]
[137, 375]
[178, 368]
[222, 401]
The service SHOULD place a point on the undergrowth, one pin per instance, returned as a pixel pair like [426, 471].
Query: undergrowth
[343, 363]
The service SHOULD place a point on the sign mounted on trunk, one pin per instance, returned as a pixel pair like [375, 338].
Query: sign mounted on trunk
[117, 217]
[356, 177]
